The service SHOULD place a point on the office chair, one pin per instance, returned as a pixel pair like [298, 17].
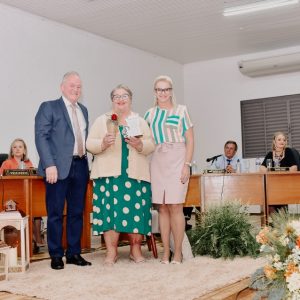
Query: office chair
[296, 155]
[3, 157]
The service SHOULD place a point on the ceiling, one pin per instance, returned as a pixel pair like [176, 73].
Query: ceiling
[181, 30]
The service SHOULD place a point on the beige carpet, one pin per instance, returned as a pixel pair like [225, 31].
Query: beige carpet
[127, 280]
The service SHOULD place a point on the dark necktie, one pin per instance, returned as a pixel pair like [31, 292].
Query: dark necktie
[228, 161]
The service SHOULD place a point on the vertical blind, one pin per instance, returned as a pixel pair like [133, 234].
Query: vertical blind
[261, 118]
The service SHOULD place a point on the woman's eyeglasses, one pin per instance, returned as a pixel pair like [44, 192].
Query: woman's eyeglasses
[119, 97]
[160, 91]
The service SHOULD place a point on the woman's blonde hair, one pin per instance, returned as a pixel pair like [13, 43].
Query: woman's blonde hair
[276, 134]
[25, 157]
[168, 80]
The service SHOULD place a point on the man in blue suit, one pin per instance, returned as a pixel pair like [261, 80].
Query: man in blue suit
[61, 128]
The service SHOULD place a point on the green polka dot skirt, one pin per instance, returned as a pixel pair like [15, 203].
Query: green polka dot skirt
[121, 203]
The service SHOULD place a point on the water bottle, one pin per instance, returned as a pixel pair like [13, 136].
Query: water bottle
[194, 167]
[22, 165]
[238, 166]
[257, 164]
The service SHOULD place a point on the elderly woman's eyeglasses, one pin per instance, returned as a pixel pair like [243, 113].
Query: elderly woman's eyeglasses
[119, 97]
[160, 91]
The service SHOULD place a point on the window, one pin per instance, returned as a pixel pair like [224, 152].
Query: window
[261, 118]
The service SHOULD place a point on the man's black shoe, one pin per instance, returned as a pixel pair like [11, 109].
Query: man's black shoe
[78, 260]
[57, 263]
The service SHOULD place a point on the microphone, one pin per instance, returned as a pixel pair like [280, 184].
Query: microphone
[213, 158]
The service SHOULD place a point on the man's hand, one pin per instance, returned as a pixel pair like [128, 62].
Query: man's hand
[51, 174]
[230, 169]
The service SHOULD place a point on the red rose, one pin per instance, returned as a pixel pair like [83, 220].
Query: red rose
[114, 117]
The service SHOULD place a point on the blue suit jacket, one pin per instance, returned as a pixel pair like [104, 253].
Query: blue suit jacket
[54, 137]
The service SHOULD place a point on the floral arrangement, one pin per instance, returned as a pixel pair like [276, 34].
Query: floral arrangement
[224, 231]
[280, 243]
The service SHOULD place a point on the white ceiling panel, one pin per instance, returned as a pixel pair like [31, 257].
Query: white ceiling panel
[184, 31]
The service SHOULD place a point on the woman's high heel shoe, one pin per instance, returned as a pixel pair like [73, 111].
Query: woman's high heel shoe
[110, 262]
[175, 262]
[137, 260]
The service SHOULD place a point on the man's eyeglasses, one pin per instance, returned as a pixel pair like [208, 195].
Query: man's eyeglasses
[160, 91]
[118, 97]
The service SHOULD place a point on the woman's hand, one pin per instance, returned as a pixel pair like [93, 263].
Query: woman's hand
[135, 143]
[107, 141]
[185, 174]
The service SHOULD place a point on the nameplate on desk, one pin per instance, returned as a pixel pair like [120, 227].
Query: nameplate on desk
[280, 169]
[215, 171]
[19, 172]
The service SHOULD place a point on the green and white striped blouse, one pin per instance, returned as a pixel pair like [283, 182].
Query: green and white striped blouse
[168, 126]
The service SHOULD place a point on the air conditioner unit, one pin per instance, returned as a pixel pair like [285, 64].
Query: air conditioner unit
[270, 65]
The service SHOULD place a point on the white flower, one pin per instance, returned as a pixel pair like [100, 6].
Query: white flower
[296, 225]
[293, 282]
[276, 258]
[284, 240]
[295, 256]
[296, 296]
[262, 248]
[279, 266]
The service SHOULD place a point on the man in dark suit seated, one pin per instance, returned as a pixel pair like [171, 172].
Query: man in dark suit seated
[61, 128]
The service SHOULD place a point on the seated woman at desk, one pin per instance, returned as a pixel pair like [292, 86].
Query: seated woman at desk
[18, 159]
[280, 156]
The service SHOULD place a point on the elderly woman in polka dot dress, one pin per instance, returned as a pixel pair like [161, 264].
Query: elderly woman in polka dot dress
[120, 170]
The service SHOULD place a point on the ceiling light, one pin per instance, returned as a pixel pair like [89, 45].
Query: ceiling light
[257, 6]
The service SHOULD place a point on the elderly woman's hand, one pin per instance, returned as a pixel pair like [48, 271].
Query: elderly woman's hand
[135, 143]
[108, 140]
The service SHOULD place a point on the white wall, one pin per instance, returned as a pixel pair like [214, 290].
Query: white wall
[213, 91]
[34, 55]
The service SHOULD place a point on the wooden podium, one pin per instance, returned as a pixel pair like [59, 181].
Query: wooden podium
[29, 193]
[193, 196]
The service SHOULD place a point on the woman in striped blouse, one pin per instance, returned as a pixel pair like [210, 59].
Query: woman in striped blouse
[172, 131]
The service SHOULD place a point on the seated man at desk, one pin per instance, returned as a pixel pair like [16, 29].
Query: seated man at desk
[229, 160]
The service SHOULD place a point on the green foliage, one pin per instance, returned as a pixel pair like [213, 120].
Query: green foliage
[266, 287]
[224, 231]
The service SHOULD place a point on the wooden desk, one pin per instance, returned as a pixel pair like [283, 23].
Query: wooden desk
[29, 193]
[282, 188]
[245, 187]
[193, 196]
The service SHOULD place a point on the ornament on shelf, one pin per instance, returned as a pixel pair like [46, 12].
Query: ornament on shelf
[10, 205]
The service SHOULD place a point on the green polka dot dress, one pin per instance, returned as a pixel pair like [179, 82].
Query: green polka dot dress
[121, 203]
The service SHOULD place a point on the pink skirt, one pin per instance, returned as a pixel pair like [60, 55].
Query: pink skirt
[166, 166]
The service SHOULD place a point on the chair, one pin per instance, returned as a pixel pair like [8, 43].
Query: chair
[150, 239]
[3, 157]
[296, 155]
